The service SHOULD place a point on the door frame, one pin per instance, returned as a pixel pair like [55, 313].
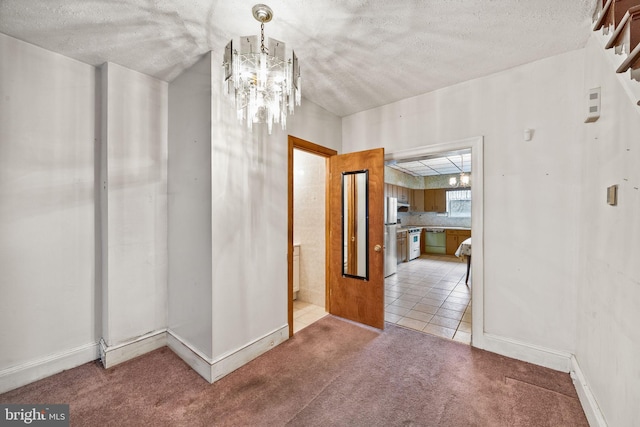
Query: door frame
[476, 144]
[319, 150]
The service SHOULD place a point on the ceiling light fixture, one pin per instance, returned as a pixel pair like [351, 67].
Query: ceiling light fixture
[266, 86]
[464, 178]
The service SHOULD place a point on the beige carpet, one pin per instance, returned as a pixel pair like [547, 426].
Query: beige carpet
[332, 373]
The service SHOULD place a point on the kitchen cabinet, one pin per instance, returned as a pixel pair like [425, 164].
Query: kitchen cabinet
[417, 201]
[393, 191]
[454, 238]
[403, 194]
[435, 200]
[402, 246]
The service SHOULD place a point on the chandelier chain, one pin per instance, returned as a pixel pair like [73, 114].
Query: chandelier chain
[262, 48]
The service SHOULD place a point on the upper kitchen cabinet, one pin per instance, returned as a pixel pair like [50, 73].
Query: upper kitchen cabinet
[417, 201]
[435, 200]
[403, 195]
[390, 190]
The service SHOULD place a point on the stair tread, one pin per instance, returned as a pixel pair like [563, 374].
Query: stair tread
[613, 41]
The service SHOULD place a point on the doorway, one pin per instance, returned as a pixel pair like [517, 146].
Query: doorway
[307, 232]
[436, 292]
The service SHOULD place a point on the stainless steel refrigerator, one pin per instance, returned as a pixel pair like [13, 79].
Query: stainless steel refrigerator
[390, 238]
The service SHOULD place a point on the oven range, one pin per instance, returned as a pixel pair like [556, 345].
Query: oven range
[414, 242]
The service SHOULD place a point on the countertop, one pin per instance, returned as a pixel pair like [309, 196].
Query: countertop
[444, 227]
[406, 228]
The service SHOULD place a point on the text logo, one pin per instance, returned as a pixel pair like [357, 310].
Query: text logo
[34, 415]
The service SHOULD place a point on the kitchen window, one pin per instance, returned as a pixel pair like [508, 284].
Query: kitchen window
[459, 203]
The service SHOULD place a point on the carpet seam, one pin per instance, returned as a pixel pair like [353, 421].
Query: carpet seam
[538, 386]
[329, 383]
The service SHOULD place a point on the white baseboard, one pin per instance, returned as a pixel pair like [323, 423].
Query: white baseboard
[214, 369]
[231, 361]
[211, 370]
[192, 357]
[538, 355]
[26, 373]
[113, 355]
[587, 399]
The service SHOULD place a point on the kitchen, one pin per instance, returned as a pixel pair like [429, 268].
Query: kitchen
[428, 208]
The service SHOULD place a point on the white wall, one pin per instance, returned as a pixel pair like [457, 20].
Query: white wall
[608, 336]
[190, 245]
[223, 315]
[249, 218]
[55, 235]
[48, 294]
[315, 124]
[531, 189]
[135, 136]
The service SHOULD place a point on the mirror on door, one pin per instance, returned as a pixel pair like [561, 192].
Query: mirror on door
[355, 216]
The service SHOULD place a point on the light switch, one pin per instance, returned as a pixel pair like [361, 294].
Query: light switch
[593, 113]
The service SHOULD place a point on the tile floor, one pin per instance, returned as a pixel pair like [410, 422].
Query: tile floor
[305, 313]
[428, 294]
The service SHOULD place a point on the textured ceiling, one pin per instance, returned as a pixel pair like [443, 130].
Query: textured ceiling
[354, 54]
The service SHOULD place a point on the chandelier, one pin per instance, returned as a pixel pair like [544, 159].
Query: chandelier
[266, 86]
[464, 178]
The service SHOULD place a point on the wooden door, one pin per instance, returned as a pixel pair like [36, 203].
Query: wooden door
[356, 263]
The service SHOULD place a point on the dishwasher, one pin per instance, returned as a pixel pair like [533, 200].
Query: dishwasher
[435, 241]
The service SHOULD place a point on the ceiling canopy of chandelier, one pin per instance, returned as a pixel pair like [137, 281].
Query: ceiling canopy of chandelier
[266, 86]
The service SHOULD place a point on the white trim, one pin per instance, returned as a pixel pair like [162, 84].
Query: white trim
[35, 370]
[527, 352]
[214, 369]
[587, 399]
[191, 356]
[428, 150]
[115, 354]
[476, 144]
[232, 360]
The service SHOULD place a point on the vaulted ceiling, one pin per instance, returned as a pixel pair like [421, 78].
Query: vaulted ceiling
[354, 54]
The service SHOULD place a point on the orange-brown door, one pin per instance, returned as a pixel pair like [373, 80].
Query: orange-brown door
[356, 237]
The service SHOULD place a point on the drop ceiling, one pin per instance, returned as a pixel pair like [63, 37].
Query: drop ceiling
[354, 54]
[444, 165]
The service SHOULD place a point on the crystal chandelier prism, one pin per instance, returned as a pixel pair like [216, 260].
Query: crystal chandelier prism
[265, 84]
